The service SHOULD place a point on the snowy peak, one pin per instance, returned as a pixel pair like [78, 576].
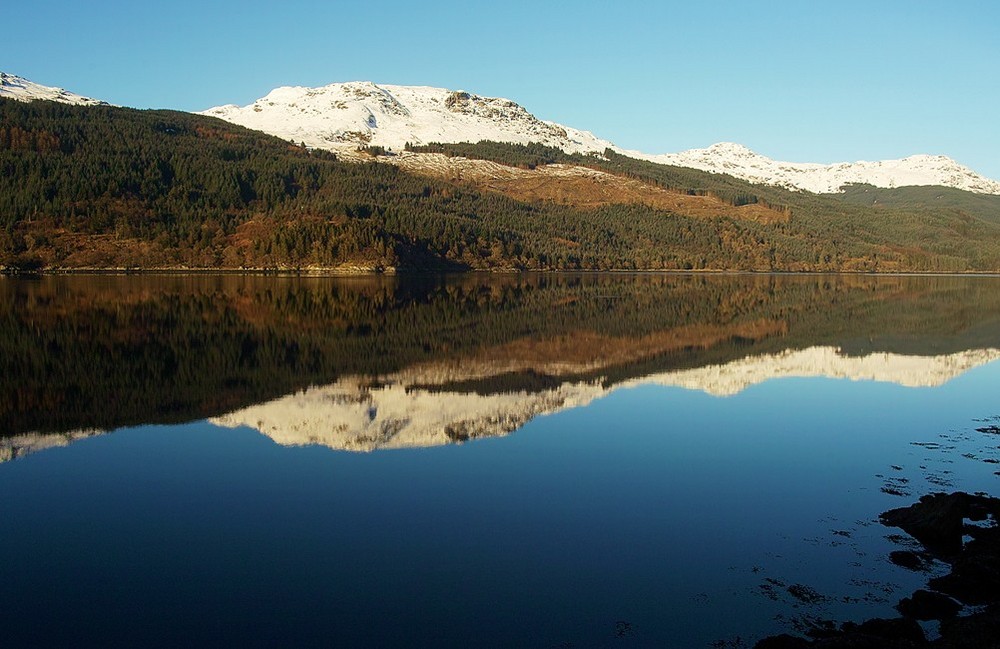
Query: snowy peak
[737, 160]
[729, 149]
[345, 115]
[19, 88]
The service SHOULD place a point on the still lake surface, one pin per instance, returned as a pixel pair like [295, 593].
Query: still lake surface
[469, 461]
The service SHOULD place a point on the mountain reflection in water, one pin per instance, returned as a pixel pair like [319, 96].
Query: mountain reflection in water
[369, 363]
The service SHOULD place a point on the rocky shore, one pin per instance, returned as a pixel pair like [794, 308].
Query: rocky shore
[959, 529]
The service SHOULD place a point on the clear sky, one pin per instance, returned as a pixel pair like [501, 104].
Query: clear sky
[805, 81]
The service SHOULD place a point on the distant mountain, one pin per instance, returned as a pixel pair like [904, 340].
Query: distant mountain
[345, 115]
[737, 160]
[19, 88]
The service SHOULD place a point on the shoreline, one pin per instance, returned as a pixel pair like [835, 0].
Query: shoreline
[406, 272]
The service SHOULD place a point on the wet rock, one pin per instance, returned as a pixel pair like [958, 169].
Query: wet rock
[805, 594]
[898, 628]
[908, 559]
[975, 573]
[873, 634]
[937, 520]
[978, 631]
[926, 605]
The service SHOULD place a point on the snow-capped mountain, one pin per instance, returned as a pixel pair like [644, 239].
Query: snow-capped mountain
[15, 87]
[737, 160]
[343, 115]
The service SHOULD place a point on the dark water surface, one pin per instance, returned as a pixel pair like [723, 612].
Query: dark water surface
[529, 461]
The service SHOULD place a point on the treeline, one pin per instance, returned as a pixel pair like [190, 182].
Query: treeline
[943, 199]
[113, 187]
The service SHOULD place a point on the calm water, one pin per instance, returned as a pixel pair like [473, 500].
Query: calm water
[550, 461]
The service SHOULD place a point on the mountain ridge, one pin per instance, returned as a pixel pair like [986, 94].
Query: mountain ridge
[341, 117]
[915, 170]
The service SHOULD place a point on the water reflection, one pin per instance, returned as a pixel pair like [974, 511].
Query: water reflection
[681, 496]
[351, 415]
[369, 363]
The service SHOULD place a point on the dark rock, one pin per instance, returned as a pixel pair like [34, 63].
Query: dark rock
[783, 641]
[937, 520]
[974, 579]
[899, 628]
[908, 559]
[897, 633]
[925, 605]
[805, 594]
[977, 631]
[975, 572]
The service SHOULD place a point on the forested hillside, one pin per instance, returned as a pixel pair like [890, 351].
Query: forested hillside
[985, 206]
[106, 187]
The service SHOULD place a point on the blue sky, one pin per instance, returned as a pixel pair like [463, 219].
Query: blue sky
[794, 80]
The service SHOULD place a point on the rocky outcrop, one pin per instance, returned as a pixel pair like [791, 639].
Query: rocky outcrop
[960, 529]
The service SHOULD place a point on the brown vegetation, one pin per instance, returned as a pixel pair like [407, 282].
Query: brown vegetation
[577, 186]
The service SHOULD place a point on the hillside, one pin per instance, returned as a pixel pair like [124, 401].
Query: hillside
[903, 220]
[107, 187]
[582, 184]
[936, 198]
